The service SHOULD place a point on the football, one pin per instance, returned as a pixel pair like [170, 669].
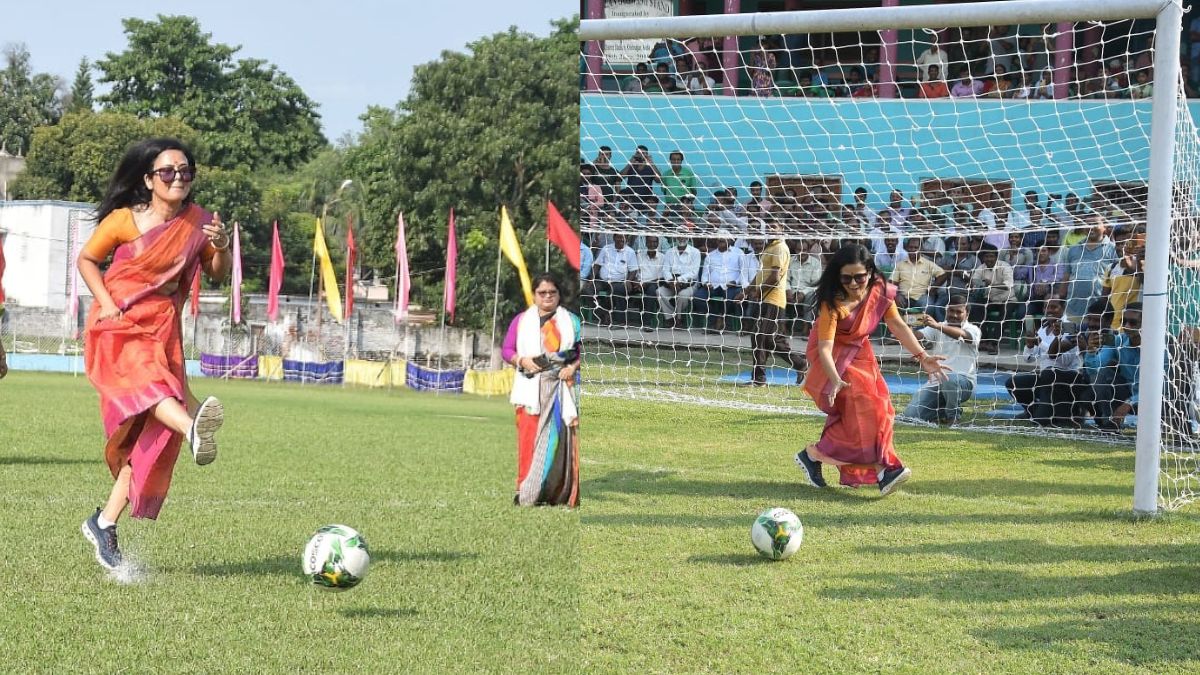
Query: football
[776, 533]
[336, 558]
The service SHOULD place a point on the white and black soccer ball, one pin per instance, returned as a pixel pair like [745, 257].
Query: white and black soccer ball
[777, 533]
[336, 558]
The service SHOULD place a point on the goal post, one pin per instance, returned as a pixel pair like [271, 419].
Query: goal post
[804, 149]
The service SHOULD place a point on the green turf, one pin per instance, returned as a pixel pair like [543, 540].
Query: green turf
[1002, 554]
[461, 580]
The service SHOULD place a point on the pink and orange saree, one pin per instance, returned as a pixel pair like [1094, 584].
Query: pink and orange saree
[136, 360]
[858, 426]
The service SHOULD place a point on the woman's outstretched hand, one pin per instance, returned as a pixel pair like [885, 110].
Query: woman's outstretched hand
[932, 364]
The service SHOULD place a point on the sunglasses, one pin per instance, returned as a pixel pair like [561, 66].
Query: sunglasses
[860, 278]
[168, 174]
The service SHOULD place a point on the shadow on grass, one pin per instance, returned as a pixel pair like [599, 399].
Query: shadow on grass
[377, 613]
[38, 461]
[731, 559]
[869, 517]
[1001, 586]
[667, 483]
[290, 565]
[1039, 552]
[1123, 634]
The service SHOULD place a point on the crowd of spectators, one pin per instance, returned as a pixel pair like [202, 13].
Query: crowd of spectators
[1000, 62]
[1058, 278]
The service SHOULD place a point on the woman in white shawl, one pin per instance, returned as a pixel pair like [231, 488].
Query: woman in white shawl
[543, 345]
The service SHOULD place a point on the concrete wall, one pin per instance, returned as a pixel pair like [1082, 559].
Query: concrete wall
[38, 239]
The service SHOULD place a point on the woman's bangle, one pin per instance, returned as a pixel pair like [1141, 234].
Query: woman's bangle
[920, 357]
[220, 248]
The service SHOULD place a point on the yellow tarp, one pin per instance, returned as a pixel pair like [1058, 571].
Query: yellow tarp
[375, 373]
[270, 367]
[489, 382]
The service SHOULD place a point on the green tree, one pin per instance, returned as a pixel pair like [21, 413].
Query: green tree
[75, 158]
[497, 125]
[81, 89]
[249, 113]
[27, 100]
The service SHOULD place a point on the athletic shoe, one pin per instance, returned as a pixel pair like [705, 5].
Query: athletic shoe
[105, 541]
[812, 469]
[209, 418]
[892, 478]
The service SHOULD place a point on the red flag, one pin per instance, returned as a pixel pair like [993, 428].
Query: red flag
[237, 273]
[351, 254]
[1, 270]
[560, 233]
[403, 282]
[451, 266]
[196, 292]
[275, 282]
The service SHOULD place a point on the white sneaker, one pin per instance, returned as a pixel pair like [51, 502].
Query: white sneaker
[209, 418]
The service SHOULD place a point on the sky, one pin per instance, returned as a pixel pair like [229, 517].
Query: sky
[345, 55]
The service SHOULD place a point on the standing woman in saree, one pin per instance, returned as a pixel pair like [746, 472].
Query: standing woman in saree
[845, 381]
[543, 345]
[133, 337]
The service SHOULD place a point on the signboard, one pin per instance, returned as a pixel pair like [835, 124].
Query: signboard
[633, 51]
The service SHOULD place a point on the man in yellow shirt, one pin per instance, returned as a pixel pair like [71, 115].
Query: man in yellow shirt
[769, 286]
[915, 275]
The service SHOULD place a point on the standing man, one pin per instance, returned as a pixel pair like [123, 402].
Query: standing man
[678, 183]
[610, 179]
[769, 287]
[640, 175]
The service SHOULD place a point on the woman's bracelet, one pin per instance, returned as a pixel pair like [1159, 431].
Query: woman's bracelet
[920, 357]
[220, 248]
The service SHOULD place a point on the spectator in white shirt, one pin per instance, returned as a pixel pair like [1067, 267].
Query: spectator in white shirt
[931, 56]
[616, 269]
[992, 290]
[681, 272]
[649, 275]
[720, 280]
[958, 340]
[865, 215]
[1039, 350]
[804, 273]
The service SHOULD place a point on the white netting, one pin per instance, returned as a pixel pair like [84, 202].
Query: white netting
[1048, 143]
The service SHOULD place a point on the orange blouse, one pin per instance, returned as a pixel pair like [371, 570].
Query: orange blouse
[827, 320]
[119, 228]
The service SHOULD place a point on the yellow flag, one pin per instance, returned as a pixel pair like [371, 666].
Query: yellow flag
[511, 249]
[327, 276]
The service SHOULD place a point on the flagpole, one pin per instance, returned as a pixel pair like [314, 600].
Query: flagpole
[496, 300]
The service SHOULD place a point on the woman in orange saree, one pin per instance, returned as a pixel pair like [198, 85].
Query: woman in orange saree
[133, 345]
[847, 384]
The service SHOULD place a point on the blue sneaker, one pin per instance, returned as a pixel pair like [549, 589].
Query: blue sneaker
[812, 469]
[105, 541]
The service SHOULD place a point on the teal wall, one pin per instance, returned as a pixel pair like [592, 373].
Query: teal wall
[1044, 146]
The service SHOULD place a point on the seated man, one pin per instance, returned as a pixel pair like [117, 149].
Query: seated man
[804, 273]
[1116, 388]
[1038, 351]
[681, 271]
[957, 340]
[615, 268]
[914, 275]
[721, 279]
[991, 289]
[1063, 393]
[649, 276]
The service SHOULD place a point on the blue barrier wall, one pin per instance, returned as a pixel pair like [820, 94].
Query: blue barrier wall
[1051, 147]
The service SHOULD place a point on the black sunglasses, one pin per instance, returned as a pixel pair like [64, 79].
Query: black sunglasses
[860, 278]
[168, 174]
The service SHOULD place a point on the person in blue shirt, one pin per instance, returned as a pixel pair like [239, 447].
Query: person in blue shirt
[1116, 387]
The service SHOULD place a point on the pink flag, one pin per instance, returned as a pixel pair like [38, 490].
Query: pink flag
[237, 273]
[276, 279]
[403, 283]
[451, 266]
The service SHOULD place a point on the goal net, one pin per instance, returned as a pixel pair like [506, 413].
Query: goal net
[997, 169]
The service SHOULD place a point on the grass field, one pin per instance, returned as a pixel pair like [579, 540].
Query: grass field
[1003, 554]
[460, 581]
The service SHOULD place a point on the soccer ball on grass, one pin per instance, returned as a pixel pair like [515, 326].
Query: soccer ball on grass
[336, 558]
[776, 533]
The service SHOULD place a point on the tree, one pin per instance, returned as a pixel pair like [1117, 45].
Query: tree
[27, 100]
[75, 158]
[80, 99]
[249, 113]
[497, 125]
